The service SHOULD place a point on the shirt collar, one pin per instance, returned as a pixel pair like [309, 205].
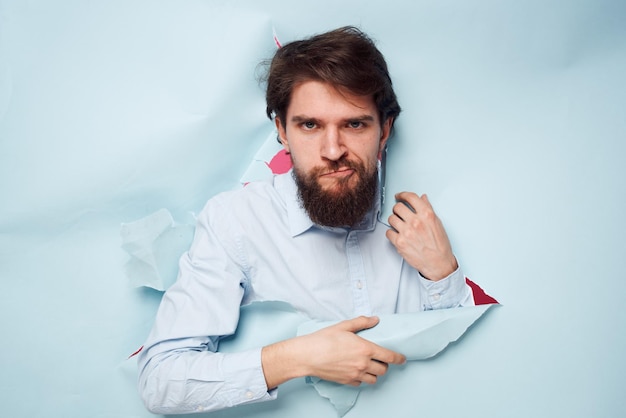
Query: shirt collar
[299, 221]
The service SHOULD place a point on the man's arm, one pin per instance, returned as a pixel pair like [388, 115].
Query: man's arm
[420, 238]
[185, 376]
[334, 353]
[180, 370]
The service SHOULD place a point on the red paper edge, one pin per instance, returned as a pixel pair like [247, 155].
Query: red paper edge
[480, 297]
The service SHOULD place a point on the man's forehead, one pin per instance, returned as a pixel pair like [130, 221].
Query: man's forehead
[315, 99]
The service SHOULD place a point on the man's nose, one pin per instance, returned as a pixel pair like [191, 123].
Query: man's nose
[332, 146]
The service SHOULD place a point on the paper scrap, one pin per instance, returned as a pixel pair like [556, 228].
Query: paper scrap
[155, 243]
[418, 336]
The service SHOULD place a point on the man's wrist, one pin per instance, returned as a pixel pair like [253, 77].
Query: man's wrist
[441, 273]
[279, 363]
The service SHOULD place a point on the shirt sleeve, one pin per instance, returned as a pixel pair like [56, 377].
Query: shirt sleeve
[180, 369]
[182, 381]
[449, 292]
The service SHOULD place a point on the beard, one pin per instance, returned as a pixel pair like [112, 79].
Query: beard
[345, 205]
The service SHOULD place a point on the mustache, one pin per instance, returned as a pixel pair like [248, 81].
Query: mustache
[342, 163]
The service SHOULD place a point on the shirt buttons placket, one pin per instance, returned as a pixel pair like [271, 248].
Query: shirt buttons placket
[358, 279]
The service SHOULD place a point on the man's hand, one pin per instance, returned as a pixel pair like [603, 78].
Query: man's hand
[334, 353]
[419, 236]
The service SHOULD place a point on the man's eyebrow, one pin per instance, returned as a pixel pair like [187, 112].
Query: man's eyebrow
[304, 118]
[362, 118]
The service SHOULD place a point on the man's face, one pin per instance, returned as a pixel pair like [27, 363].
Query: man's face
[335, 139]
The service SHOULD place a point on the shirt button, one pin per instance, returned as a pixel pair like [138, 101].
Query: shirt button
[249, 395]
[436, 297]
[359, 285]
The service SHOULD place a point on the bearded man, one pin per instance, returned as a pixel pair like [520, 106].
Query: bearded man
[312, 237]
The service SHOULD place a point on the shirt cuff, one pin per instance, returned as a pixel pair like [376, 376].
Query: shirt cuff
[449, 292]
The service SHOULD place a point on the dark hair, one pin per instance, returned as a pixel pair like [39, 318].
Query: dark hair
[345, 58]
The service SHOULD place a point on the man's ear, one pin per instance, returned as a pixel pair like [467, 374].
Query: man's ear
[384, 136]
[282, 133]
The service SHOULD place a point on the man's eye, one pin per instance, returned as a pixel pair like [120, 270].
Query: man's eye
[355, 124]
[308, 124]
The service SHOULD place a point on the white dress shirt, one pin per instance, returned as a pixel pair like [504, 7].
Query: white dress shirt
[258, 244]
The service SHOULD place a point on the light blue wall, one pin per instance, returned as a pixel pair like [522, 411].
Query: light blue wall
[514, 124]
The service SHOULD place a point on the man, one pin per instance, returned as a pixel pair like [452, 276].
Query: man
[311, 237]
